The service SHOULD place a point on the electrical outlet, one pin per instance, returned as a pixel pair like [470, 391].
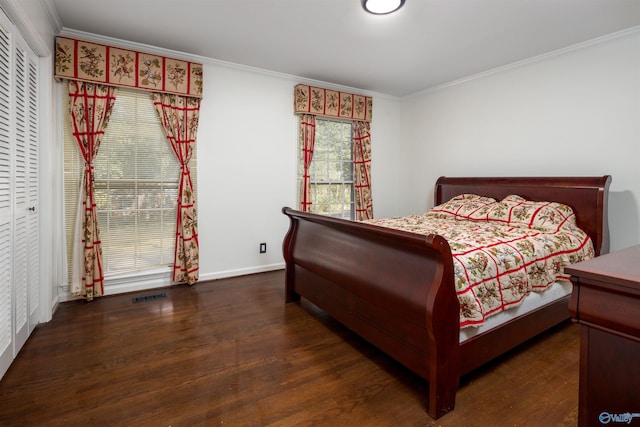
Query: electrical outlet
[263, 248]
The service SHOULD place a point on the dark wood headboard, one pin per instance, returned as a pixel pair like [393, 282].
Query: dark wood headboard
[588, 196]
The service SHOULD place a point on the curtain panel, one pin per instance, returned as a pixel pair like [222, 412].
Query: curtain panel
[362, 170]
[179, 116]
[308, 135]
[98, 63]
[90, 107]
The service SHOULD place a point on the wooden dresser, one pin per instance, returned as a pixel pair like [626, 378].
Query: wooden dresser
[606, 303]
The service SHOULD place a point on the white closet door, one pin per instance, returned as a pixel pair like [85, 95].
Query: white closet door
[20, 218]
[33, 194]
[19, 193]
[6, 199]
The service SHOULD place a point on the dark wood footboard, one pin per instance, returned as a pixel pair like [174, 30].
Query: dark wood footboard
[396, 289]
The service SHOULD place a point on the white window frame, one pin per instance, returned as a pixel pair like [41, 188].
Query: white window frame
[321, 163]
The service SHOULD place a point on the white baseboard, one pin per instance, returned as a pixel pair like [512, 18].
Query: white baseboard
[162, 279]
[242, 271]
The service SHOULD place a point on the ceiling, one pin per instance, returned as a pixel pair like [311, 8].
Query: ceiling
[425, 44]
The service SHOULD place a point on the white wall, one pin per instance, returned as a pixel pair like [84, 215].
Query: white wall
[246, 169]
[247, 160]
[386, 163]
[575, 112]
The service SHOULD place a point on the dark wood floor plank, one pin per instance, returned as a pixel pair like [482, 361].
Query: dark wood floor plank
[231, 352]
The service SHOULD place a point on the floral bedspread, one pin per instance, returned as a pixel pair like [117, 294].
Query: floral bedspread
[502, 250]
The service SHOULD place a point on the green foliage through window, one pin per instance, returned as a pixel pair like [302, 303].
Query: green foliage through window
[331, 169]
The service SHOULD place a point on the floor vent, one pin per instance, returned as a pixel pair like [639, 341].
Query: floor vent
[149, 297]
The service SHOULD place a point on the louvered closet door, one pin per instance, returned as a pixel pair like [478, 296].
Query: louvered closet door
[33, 193]
[6, 199]
[20, 195]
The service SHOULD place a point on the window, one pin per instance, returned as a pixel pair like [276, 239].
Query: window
[136, 187]
[331, 171]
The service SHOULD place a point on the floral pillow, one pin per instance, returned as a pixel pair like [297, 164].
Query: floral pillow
[544, 216]
[464, 206]
[513, 210]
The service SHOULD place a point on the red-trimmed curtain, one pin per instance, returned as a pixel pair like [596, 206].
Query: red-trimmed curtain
[90, 107]
[362, 170]
[179, 116]
[308, 135]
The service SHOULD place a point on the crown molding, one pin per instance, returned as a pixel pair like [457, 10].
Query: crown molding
[538, 58]
[26, 28]
[125, 44]
[52, 13]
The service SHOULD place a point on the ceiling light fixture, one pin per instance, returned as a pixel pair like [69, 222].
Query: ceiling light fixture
[382, 7]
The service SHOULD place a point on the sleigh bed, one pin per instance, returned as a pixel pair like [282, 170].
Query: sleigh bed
[396, 288]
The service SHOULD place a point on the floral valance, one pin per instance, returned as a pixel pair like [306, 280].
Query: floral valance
[332, 103]
[97, 63]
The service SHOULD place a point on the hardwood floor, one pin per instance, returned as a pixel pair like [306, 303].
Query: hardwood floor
[231, 352]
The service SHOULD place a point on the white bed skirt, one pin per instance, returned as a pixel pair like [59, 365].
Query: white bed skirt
[530, 303]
